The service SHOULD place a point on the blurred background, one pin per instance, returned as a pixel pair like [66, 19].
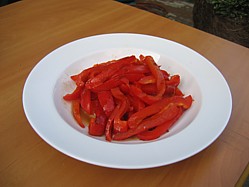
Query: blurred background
[228, 19]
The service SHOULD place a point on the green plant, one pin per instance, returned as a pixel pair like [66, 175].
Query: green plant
[236, 9]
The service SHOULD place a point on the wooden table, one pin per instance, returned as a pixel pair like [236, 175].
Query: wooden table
[30, 29]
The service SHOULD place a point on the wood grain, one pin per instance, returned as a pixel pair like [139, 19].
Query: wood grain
[29, 30]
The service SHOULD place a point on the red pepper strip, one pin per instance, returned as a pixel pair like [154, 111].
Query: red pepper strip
[133, 77]
[137, 68]
[141, 58]
[166, 114]
[147, 80]
[109, 124]
[149, 89]
[137, 117]
[109, 84]
[165, 74]
[136, 103]
[81, 78]
[85, 101]
[109, 72]
[116, 92]
[170, 91]
[74, 77]
[125, 88]
[148, 99]
[156, 72]
[76, 112]
[186, 104]
[178, 92]
[106, 101]
[120, 125]
[173, 81]
[97, 125]
[133, 68]
[159, 130]
[74, 95]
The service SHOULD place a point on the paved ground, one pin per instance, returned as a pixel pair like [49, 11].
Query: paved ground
[178, 10]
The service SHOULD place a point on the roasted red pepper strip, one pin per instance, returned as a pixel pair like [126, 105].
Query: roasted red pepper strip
[156, 72]
[97, 124]
[165, 74]
[133, 77]
[159, 130]
[136, 103]
[109, 84]
[148, 99]
[74, 95]
[81, 78]
[147, 80]
[117, 81]
[149, 89]
[137, 117]
[133, 68]
[85, 101]
[173, 81]
[166, 114]
[76, 112]
[106, 101]
[178, 92]
[120, 125]
[109, 124]
[109, 72]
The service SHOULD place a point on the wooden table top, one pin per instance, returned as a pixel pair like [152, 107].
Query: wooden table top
[29, 30]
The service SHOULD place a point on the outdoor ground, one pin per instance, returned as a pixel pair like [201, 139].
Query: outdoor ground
[178, 10]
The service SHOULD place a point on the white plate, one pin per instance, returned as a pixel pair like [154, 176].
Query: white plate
[51, 118]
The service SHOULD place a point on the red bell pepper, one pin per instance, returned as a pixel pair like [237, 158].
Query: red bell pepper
[137, 117]
[166, 114]
[156, 72]
[76, 112]
[159, 130]
[109, 84]
[133, 77]
[134, 68]
[149, 89]
[106, 101]
[109, 124]
[127, 97]
[85, 101]
[116, 92]
[118, 124]
[173, 81]
[74, 95]
[165, 74]
[178, 92]
[123, 106]
[125, 88]
[81, 78]
[136, 103]
[148, 99]
[97, 124]
[109, 72]
[147, 80]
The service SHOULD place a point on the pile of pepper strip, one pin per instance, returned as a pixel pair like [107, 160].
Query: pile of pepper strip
[128, 97]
